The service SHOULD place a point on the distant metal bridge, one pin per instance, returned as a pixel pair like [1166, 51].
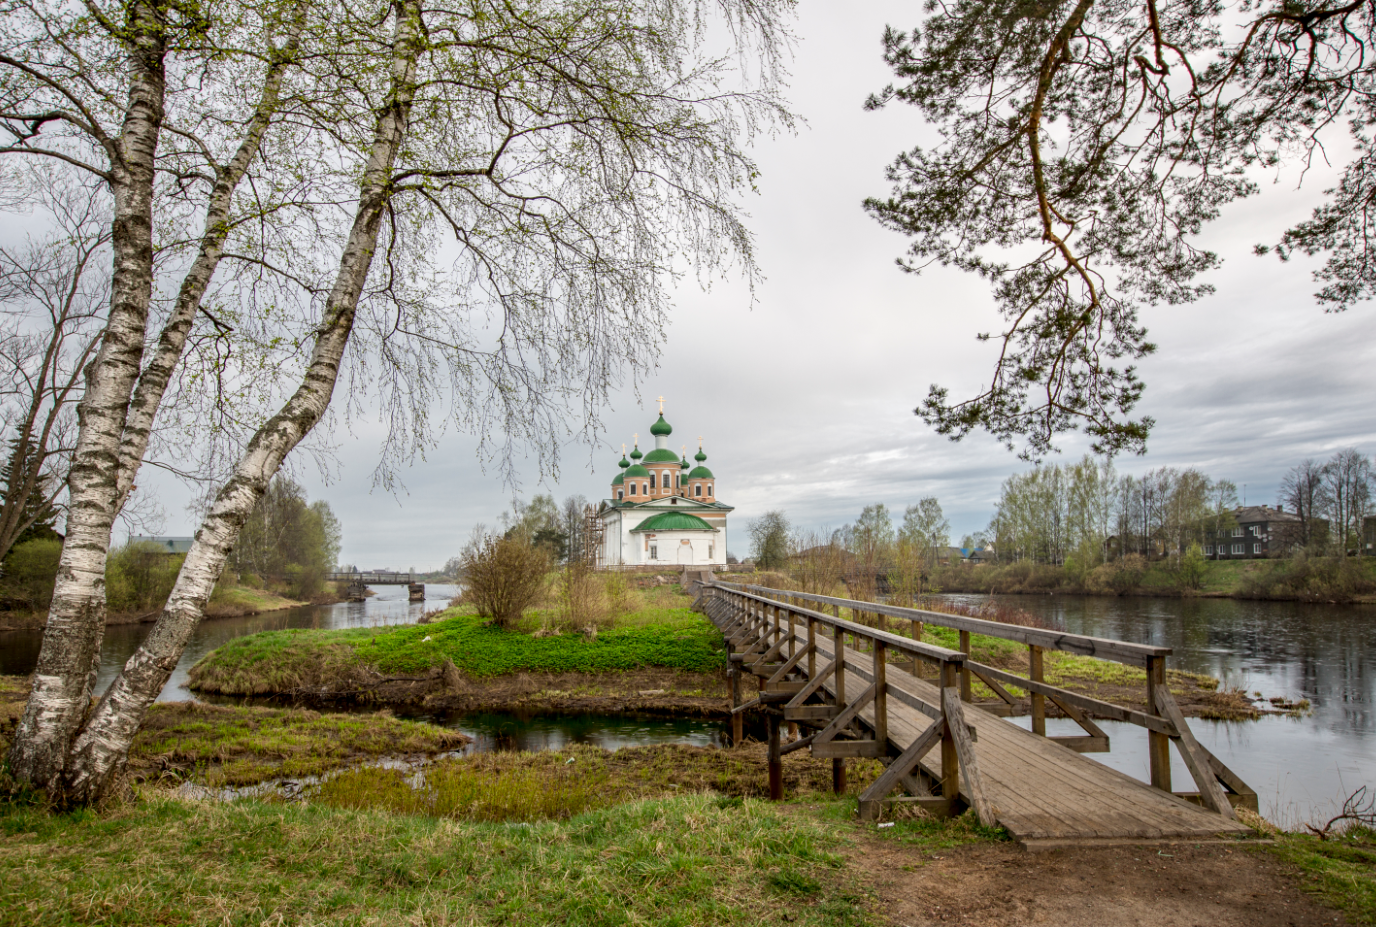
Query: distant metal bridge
[375, 578]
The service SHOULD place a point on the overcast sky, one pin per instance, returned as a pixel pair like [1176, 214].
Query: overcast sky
[805, 399]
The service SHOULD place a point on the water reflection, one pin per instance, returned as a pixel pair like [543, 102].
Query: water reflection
[1324, 653]
[517, 731]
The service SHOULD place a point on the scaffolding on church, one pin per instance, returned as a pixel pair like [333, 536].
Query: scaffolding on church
[591, 542]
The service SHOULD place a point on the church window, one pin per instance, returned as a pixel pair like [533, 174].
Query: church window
[709, 489]
[697, 490]
[652, 479]
[621, 494]
[645, 488]
[633, 489]
[654, 551]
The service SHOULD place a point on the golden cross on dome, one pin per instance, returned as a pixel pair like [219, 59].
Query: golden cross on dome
[623, 450]
[661, 405]
[699, 442]
[637, 439]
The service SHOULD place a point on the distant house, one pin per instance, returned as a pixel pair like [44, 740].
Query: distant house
[950, 555]
[167, 545]
[1260, 532]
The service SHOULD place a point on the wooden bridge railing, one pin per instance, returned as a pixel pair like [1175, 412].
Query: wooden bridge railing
[1219, 787]
[777, 640]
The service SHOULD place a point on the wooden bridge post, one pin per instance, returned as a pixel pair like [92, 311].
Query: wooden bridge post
[1035, 673]
[881, 690]
[737, 718]
[965, 670]
[917, 639]
[776, 760]
[838, 764]
[950, 759]
[1158, 744]
[811, 648]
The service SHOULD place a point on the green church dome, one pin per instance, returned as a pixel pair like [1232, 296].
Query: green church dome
[661, 455]
[635, 453]
[683, 464]
[699, 473]
[699, 456]
[637, 470]
[619, 480]
[673, 521]
[661, 427]
[624, 462]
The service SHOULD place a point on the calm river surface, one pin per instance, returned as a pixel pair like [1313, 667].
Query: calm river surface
[1300, 767]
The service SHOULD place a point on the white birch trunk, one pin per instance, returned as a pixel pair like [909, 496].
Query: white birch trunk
[152, 384]
[61, 692]
[102, 747]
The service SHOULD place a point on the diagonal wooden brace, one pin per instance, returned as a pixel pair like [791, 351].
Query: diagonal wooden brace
[847, 715]
[1196, 757]
[965, 748]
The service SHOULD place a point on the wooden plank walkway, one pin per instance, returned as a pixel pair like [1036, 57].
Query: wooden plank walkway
[1044, 793]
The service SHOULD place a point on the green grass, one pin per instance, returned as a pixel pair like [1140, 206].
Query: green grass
[219, 746]
[279, 661]
[1341, 870]
[690, 860]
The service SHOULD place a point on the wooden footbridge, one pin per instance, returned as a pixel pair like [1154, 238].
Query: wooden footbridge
[864, 690]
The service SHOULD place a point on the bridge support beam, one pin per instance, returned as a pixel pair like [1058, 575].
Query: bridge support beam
[737, 718]
[776, 760]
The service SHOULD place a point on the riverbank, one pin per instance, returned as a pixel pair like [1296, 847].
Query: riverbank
[231, 602]
[1299, 579]
[663, 658]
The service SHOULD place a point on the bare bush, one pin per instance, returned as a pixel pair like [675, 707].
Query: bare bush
[818, 563]
[582, 598]
[503, 577]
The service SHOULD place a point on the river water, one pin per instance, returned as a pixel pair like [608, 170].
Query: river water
[1300, 767]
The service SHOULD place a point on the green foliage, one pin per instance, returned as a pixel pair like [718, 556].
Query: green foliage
[139, 577]
[29, 573]
[769, 540]
[1309, 578]
[288, 540]
[1193, 566]
[504, 576]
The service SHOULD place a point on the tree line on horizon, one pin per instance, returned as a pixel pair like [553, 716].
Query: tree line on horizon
[1081, 515]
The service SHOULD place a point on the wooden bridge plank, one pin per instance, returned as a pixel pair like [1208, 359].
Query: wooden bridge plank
[1040, 790]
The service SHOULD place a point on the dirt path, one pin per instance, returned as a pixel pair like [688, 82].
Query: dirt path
[1169, 886]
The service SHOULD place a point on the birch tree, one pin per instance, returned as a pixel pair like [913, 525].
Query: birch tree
[52, 295]
[567, 152]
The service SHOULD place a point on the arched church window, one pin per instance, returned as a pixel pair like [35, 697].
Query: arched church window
[632, 485]
[697, 490]
[645, 488]
[652, 479]
[709, 489]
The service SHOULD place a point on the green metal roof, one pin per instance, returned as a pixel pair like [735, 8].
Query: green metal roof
[661, 427]
[661, 455]
[701, 473]
[673, 521]
[637, 470]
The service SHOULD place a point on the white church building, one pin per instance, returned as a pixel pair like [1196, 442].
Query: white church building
[661, 512]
